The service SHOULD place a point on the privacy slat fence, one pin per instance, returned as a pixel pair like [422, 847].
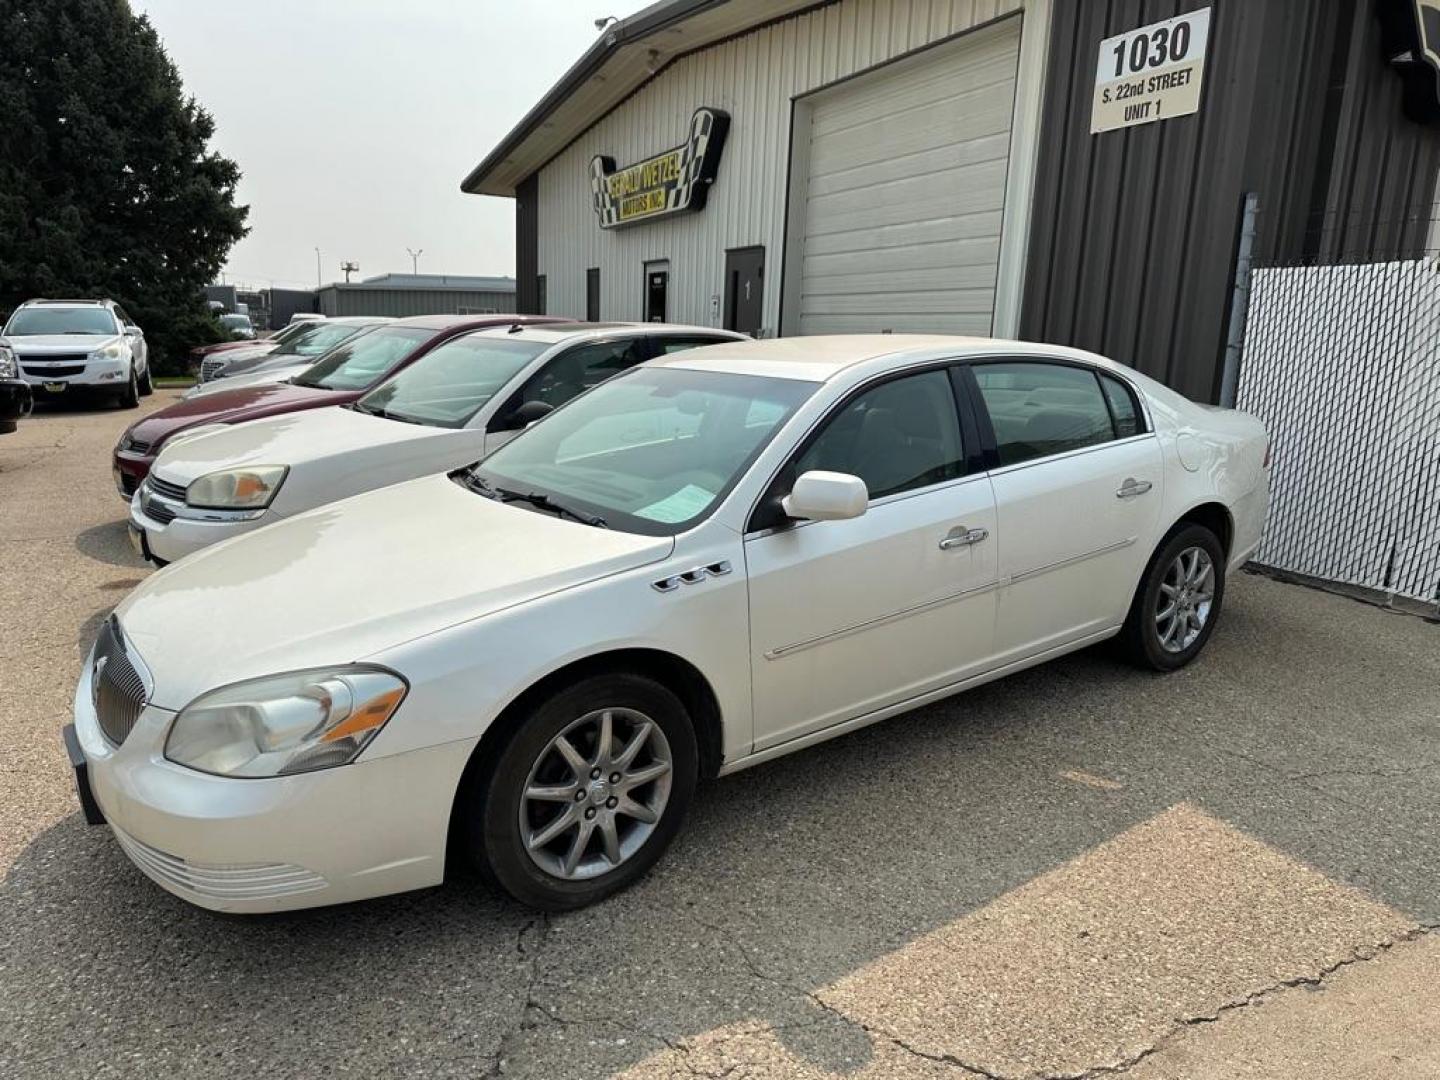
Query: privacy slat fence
[1343, 365]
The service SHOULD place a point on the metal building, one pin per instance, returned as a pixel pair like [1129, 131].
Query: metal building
[1068, 171]
[400, 295]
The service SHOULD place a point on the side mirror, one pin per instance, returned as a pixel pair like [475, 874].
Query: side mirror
[826, 496]
[526, 415]
[134, 331]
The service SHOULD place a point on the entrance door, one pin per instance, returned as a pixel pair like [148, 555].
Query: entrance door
[745, 289]
[657, 288]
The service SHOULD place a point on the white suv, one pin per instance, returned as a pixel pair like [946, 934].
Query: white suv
[65, 346]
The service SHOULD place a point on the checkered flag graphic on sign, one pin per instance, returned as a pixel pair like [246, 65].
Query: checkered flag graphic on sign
[692, 157]
[607, 209]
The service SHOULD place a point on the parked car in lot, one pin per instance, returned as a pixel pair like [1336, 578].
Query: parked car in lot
[344, 373]
[305, 346]
[709, 561]
[450, 407]
[69, 347]
[275, 340]
[238, 326]
[16, 399]
[305, 317]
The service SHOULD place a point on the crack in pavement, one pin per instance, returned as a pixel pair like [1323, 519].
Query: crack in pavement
[1382, 774]
[531, 955]
[1178, 1026]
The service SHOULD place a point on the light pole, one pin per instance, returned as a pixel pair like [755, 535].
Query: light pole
[415, 259]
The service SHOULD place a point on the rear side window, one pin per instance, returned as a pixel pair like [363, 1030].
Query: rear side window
[1038, 410]
[666, 346]
[1122, 407]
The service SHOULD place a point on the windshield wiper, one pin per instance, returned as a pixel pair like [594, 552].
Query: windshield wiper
[477, 484]
[541, 501]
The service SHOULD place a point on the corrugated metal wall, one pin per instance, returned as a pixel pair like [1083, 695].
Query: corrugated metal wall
[753, 77]
[1134, 239]
[400, 303]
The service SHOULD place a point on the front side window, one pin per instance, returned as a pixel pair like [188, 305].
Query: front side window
[449, 385]
[34, 321]
[365, 360]
[1040, 409]
[653, 451]
[579, 369]
[901, 435]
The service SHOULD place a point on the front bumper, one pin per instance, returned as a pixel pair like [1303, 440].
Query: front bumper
[107, 375]
[183, 536]
[363, 830]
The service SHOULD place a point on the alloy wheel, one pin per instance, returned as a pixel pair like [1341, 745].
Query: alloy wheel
[1187, 595]
[595, 794]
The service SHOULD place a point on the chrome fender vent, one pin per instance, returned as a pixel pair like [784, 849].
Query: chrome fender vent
[692, 577]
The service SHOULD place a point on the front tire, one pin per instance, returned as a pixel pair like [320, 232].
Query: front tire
[130, 396]
[587, 793]
[1178, 602]
[147, 384]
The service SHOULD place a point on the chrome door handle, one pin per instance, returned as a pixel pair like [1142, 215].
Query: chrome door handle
[963, 537]
[1132, 487]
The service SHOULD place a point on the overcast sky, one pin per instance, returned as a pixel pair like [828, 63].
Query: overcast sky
[354, 121]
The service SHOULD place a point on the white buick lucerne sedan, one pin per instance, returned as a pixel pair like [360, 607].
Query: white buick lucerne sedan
[713, 559]
[453, 405]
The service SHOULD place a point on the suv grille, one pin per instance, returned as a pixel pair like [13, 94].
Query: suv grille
[117, 687]
[55, 358]
[53, 372]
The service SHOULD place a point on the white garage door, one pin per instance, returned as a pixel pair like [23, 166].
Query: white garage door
[904, 191]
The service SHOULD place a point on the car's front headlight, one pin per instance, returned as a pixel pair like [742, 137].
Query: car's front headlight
[236, 489]
[9, 366]
[113, 351]
[285, 724]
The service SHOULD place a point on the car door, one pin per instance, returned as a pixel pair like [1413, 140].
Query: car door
[848, 617]
[138, 348]
[1077, 482]
[567, 374]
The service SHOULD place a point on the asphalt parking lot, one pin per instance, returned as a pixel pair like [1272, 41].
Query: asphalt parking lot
[1083, 870]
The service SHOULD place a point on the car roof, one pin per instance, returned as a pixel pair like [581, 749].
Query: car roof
[554, 333]
[359, 320]
[68, 303]
[822, 358]
[447, 322]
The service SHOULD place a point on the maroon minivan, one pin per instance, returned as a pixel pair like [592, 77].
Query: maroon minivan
[345, 373]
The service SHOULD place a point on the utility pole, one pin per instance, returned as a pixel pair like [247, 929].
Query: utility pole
[349, 268]
[317, 268]
[415, 259]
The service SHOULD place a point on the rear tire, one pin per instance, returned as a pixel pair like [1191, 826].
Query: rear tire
[1178, 602]
[598, 846]
[147, 384]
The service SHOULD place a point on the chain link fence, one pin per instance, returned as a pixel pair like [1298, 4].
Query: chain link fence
[1342, 363]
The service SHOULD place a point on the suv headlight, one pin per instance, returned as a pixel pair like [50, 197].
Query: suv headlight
[113, 351]
[285, 724]
[9, 366]
[236, 489]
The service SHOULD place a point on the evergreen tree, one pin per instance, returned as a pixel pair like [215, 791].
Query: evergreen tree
[107, 185]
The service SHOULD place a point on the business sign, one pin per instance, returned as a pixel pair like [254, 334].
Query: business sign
[674, 182]
[1150, 74]
[1411, 31]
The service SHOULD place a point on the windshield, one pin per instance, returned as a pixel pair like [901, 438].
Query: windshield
[235, 321]
[290, 333]
[651, 451]
[363, 361]
[319, 337]
[34, 321]
[448, 386]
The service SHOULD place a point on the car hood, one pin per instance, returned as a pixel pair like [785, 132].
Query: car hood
[255, 378]
[35, 344]
[292, 439]
[231, 407]
[344, 582]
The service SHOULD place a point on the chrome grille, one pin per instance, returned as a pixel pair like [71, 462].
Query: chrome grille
[167, 489]
[116, 684]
